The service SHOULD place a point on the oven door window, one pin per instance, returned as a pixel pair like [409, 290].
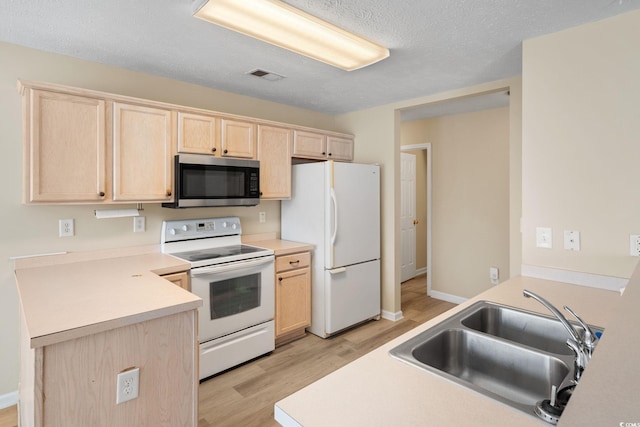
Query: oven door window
[234, 296]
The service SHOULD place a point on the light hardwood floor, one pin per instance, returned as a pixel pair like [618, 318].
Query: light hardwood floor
[245, 396]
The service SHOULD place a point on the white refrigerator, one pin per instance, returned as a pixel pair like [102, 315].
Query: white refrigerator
[336, 207]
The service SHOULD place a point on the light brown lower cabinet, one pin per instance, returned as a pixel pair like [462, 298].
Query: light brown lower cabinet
[293, 296]
[73, 383]
[180, 279]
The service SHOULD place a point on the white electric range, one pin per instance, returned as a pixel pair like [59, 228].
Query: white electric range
[236, 284]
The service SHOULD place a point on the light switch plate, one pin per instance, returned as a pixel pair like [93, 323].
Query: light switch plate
[544, 237]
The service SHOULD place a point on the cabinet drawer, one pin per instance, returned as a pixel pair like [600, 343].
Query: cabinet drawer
[290, 262]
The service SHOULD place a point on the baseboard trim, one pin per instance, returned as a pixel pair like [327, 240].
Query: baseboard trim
[423, 270]
[394, 317]
[8, 399]
[447, 297]
[598, 281]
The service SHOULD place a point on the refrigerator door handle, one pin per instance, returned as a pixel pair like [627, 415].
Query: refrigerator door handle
[332, 193]
[337, 270]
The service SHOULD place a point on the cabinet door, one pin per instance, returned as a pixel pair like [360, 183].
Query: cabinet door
[179, 279]
[340, 148]
[142, 153]
[274, 153]
[309, 145]
[66, 148]
[238, 139]
[293, 300]
[197, 134]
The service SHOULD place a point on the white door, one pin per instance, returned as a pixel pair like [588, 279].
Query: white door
[408, 215]
[353, 214]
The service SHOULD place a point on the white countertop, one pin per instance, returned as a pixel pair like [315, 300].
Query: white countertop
[377, 390]
[73, 295]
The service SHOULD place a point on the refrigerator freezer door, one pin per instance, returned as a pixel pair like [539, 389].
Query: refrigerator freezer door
[352, 231]
[352, 295]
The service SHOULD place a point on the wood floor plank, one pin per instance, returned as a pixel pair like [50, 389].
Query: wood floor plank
[245, 396]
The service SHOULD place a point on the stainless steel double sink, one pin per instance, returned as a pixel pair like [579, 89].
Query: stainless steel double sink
[510, 355]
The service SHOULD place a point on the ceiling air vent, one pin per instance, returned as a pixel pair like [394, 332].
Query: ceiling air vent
[267, 75]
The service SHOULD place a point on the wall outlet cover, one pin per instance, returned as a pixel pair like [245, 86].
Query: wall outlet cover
[572, 240]
[128, 384]
[66, 228]
[138, 224]
[634, 244]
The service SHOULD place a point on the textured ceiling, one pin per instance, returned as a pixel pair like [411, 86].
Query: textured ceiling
[436, 45]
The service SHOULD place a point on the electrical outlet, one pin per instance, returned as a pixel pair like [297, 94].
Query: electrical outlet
[263, 217]
[634, 244]
[138, 224]
[128, 384]
[572, 240]
[65, 228]
[494, 275]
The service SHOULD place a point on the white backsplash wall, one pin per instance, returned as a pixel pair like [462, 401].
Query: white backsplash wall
[41, 233]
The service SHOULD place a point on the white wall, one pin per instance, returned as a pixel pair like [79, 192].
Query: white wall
[379, 140]
[470, 197]
[33, 229]
[581, 144]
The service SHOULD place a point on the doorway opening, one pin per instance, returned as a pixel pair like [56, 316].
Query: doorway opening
[416, 212]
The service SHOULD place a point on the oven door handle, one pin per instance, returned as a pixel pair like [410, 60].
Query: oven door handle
[238, 265]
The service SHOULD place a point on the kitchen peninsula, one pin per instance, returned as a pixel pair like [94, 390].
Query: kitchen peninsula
[85, 318]
[377, 390]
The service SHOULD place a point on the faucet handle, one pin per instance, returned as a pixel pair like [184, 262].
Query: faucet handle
[589, 338]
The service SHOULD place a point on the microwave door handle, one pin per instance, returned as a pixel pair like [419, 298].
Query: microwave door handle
[231, 266]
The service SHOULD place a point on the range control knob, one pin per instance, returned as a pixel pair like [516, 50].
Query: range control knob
[224, 224]
[185, 227]
[172, 231]
[234, 226]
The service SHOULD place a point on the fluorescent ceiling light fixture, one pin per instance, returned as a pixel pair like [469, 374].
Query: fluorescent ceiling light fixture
[282, 25]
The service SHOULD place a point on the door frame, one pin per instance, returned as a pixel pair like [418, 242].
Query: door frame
[426, 147]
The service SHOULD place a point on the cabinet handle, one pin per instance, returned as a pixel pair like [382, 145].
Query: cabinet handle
[168, 193]
[101, 194]
[225, 151]
[214, 149]
[280, 279]
[323, 153]
[294, 262]
[329, 153]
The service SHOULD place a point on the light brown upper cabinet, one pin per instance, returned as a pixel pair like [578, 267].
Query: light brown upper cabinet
[274, 153]
[339, 148]
[143, 149]
[65, 143]
[309, 145]
[198, 134]
[312, 145]
[84, 147]
[237, 139]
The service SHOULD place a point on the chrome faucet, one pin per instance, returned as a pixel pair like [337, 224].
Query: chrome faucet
[581, 344]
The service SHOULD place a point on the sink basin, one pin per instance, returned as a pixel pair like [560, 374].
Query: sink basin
[515, 375]
[507, 354]
[533, 330]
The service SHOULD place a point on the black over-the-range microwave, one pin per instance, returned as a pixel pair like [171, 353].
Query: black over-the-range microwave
[205, 181]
